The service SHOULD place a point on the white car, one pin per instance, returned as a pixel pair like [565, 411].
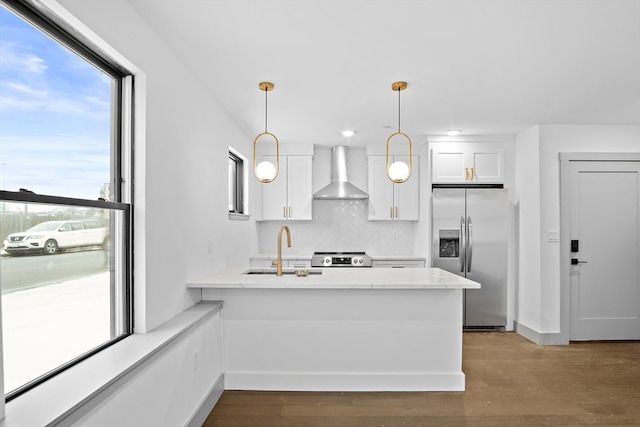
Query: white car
[51, 236]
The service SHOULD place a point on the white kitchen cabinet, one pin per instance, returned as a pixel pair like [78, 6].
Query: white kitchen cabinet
[290, 195]
[477, 164]
[398, 263]
[391, 201]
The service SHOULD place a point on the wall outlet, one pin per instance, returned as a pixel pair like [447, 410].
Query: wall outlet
[396, 238]
[196, 361]
[553, 237]
[210, 246]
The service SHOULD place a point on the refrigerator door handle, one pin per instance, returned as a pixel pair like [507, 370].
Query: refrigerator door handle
[463, 245]
[469, 244]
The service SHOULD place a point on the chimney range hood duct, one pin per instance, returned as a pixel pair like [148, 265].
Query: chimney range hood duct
[340, 188]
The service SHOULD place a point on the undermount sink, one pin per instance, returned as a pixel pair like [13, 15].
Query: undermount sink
[287, 271]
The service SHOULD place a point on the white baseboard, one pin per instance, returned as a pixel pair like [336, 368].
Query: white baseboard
[418, 381]
[541, 338]
[210, 400]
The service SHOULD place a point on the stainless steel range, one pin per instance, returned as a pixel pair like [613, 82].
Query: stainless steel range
[340, 259]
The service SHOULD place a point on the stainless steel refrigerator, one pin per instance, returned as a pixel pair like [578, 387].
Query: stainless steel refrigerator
[470, 238]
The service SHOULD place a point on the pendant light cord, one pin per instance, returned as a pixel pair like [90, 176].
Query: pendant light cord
[266, 106]
[398, 110]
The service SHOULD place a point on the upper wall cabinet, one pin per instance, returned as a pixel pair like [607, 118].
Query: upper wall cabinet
[390, 201]
[289, 196]
[478, 164]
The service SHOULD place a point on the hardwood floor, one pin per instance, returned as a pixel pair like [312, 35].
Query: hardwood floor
[509, 381]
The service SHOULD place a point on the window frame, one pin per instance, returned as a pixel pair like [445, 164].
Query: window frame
[241, 207]
[121, 147]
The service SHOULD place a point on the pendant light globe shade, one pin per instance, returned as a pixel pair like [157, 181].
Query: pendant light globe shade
[266, 171]
[399, 172]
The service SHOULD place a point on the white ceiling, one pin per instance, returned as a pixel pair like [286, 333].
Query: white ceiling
[488, 67]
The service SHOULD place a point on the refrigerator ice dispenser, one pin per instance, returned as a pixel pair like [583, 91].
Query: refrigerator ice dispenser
[449, 243]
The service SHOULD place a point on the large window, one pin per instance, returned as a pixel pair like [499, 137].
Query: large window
[64, 197]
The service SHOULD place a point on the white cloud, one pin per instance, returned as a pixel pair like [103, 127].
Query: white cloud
[13, 59]
[24, 90]
[23, 97]
[19, 97]
[27, 83]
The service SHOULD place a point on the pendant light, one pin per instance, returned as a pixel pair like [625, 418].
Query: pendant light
[266, 172]
[399, 172]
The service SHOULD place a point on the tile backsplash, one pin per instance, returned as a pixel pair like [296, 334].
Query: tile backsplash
[340, 225]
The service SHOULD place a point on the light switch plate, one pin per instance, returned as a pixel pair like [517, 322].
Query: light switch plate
[553, 237]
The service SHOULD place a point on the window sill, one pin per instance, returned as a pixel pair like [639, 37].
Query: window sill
[239, 217]
[65, 393]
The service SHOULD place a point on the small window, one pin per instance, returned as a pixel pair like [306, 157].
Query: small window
[237, 183]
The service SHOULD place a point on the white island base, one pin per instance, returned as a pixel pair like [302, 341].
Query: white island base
[340, 339]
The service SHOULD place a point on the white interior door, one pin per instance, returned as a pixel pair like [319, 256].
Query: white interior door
[604, 284]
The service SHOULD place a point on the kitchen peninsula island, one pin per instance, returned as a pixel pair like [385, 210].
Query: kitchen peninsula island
[341, 329]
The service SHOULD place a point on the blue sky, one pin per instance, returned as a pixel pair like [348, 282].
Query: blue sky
[54, 115]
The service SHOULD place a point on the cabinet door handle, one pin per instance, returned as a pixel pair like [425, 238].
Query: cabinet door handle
[473, 174]
[284, 212]
[290, 212]
[391, 212]
[396, 212]
[463, 244]
[466, 174]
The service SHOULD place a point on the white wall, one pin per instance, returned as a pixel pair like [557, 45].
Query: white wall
[181, 146]
[527, 203]
[538, 177]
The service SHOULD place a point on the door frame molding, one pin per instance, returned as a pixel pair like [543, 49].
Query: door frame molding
[565, 227]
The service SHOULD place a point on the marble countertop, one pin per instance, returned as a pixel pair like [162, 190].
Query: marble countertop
[336, 278]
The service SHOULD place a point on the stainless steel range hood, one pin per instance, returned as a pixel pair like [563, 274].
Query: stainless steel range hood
[340, 188]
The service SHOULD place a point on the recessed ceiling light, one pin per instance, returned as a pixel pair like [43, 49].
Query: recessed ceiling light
[454, 132]
[347, 133]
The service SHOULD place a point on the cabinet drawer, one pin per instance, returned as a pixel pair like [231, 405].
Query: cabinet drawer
[299, 263]
[398, 264]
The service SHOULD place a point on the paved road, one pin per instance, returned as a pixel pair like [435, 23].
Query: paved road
[30, 271]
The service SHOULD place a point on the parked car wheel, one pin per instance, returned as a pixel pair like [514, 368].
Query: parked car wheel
[50, 247]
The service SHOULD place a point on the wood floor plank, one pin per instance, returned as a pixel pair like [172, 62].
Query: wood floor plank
[509, 381]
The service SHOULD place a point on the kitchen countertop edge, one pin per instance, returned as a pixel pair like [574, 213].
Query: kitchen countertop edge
[337, 278]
